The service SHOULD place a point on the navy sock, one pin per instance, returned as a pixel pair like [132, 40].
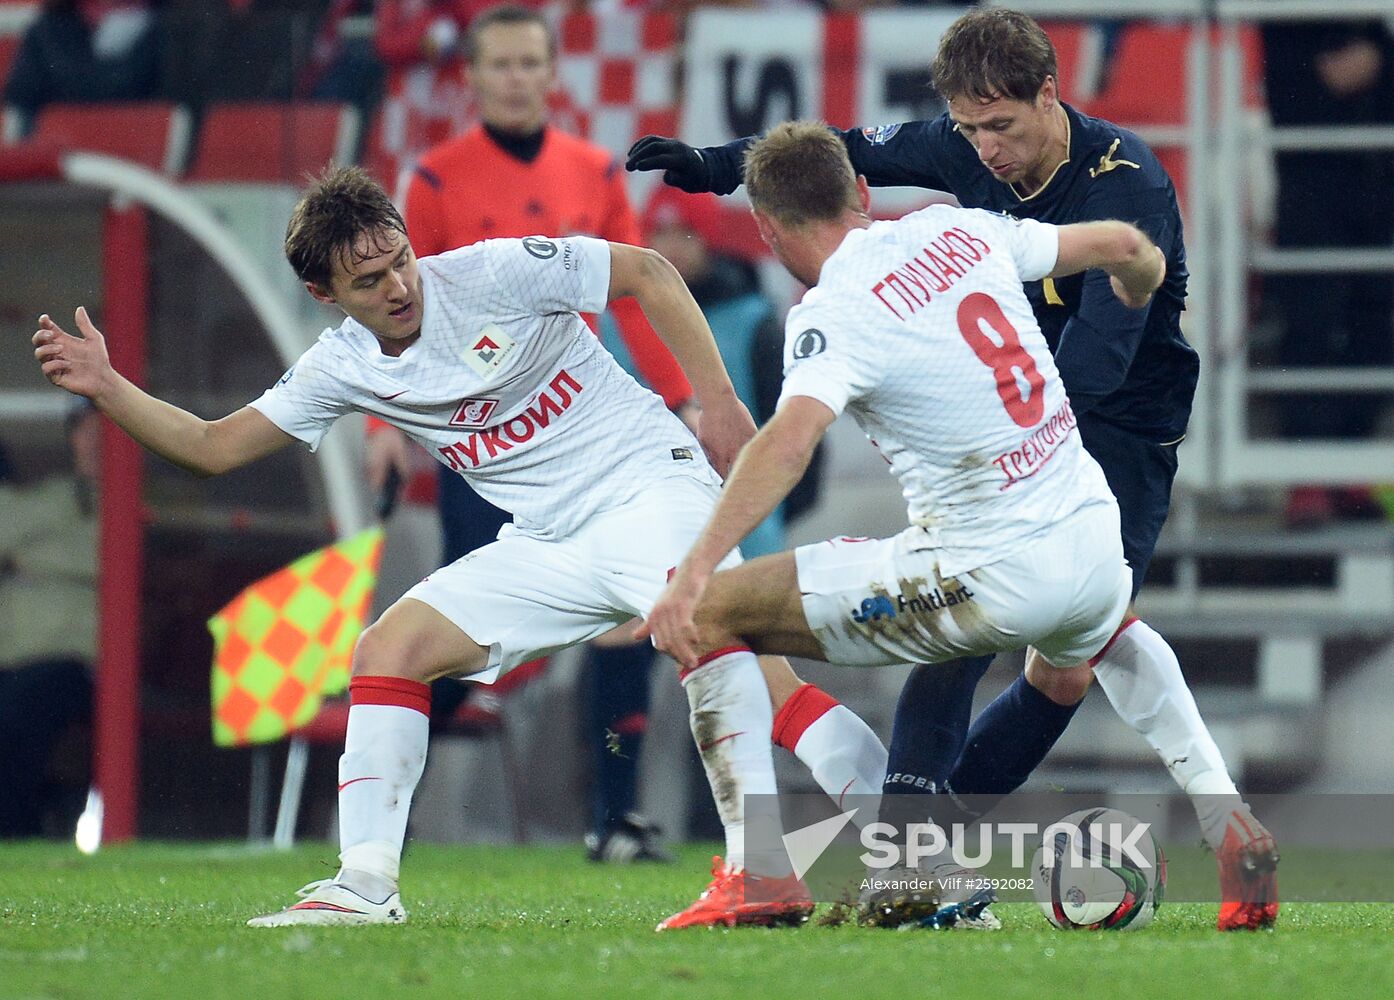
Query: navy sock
[1008, 740]
[619, 699]
[931, 725]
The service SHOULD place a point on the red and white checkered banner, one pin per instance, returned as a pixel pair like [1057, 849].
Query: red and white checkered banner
[618, 73]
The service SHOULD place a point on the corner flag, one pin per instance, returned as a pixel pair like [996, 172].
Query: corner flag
[286, 641]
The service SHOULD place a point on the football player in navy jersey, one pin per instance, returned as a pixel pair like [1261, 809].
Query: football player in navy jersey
[1008, 143]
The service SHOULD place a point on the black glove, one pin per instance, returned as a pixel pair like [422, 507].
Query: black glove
[682, 165]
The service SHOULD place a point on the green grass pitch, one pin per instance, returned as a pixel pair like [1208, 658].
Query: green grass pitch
[166, 920]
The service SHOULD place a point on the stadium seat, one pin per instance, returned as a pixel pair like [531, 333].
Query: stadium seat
[1147, 83]
[153, 134]
[12, 123]
[271, 142]
[380, 161]
[1072, 45]
[9, 48]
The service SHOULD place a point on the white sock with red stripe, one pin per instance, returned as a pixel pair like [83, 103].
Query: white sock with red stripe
[731, 718]
[1142, 678]
[384, 755]
[844, 755]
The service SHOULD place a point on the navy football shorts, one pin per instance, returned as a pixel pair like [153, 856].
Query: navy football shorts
[1140, 473]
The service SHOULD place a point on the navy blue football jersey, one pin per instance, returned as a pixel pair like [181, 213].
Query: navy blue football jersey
[1131, 367]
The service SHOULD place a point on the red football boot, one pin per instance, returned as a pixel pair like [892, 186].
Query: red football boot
[1248, 862]
[736, 897]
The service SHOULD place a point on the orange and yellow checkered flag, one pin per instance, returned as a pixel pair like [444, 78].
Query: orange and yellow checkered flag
[286, 641]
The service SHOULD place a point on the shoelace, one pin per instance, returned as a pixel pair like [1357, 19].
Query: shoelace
[720, 874]
[1252, 835]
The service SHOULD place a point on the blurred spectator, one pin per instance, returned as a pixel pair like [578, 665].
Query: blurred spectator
[1332, 73]
[344, 66]
[240, 50]
[87, 50]
[48, 612]
[515, 175]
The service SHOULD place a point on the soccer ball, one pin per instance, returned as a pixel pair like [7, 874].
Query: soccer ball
[1099, 870]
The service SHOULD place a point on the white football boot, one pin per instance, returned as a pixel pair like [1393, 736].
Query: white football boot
[329, 903]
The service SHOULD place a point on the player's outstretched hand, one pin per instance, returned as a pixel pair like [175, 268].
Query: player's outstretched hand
[682, 165]
[723, 431]
[672, 622]
[78, 364]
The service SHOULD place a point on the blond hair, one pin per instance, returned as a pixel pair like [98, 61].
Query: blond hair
[798, 172]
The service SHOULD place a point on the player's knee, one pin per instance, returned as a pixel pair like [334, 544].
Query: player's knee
[383, 652]
[1064, 686]
[715, 621]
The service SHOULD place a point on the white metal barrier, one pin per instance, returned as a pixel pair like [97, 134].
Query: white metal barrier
[1242, 458]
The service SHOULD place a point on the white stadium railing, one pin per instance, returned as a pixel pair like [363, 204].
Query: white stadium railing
[1241, 458]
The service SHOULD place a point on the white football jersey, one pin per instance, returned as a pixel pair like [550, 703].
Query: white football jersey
[506, 385]
[920, 329]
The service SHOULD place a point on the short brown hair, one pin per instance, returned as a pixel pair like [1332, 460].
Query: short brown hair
[799, 173]
[993, 53]
[508, 13]
[342, 206]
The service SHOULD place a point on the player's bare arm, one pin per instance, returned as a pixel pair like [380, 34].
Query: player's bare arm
[204, 447]
[726, 424]
[765, 472]
[1135, 265]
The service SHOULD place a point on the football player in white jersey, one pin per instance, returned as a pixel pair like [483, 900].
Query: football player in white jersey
[480, 355]
[920, 329]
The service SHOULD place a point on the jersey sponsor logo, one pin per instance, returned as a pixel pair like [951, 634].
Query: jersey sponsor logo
[879, 135]
[540, 248]
[1107, 162]
[809, 343]
[474, 412]
[390, 396]
[489, 350]
[682, 454]
[287, 376]
[932, 271]
[873, 609]
[881, 606]
[1029, 457]
[490, 442]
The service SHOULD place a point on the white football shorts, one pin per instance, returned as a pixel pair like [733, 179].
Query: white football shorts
[523, 597]
[872, 602]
